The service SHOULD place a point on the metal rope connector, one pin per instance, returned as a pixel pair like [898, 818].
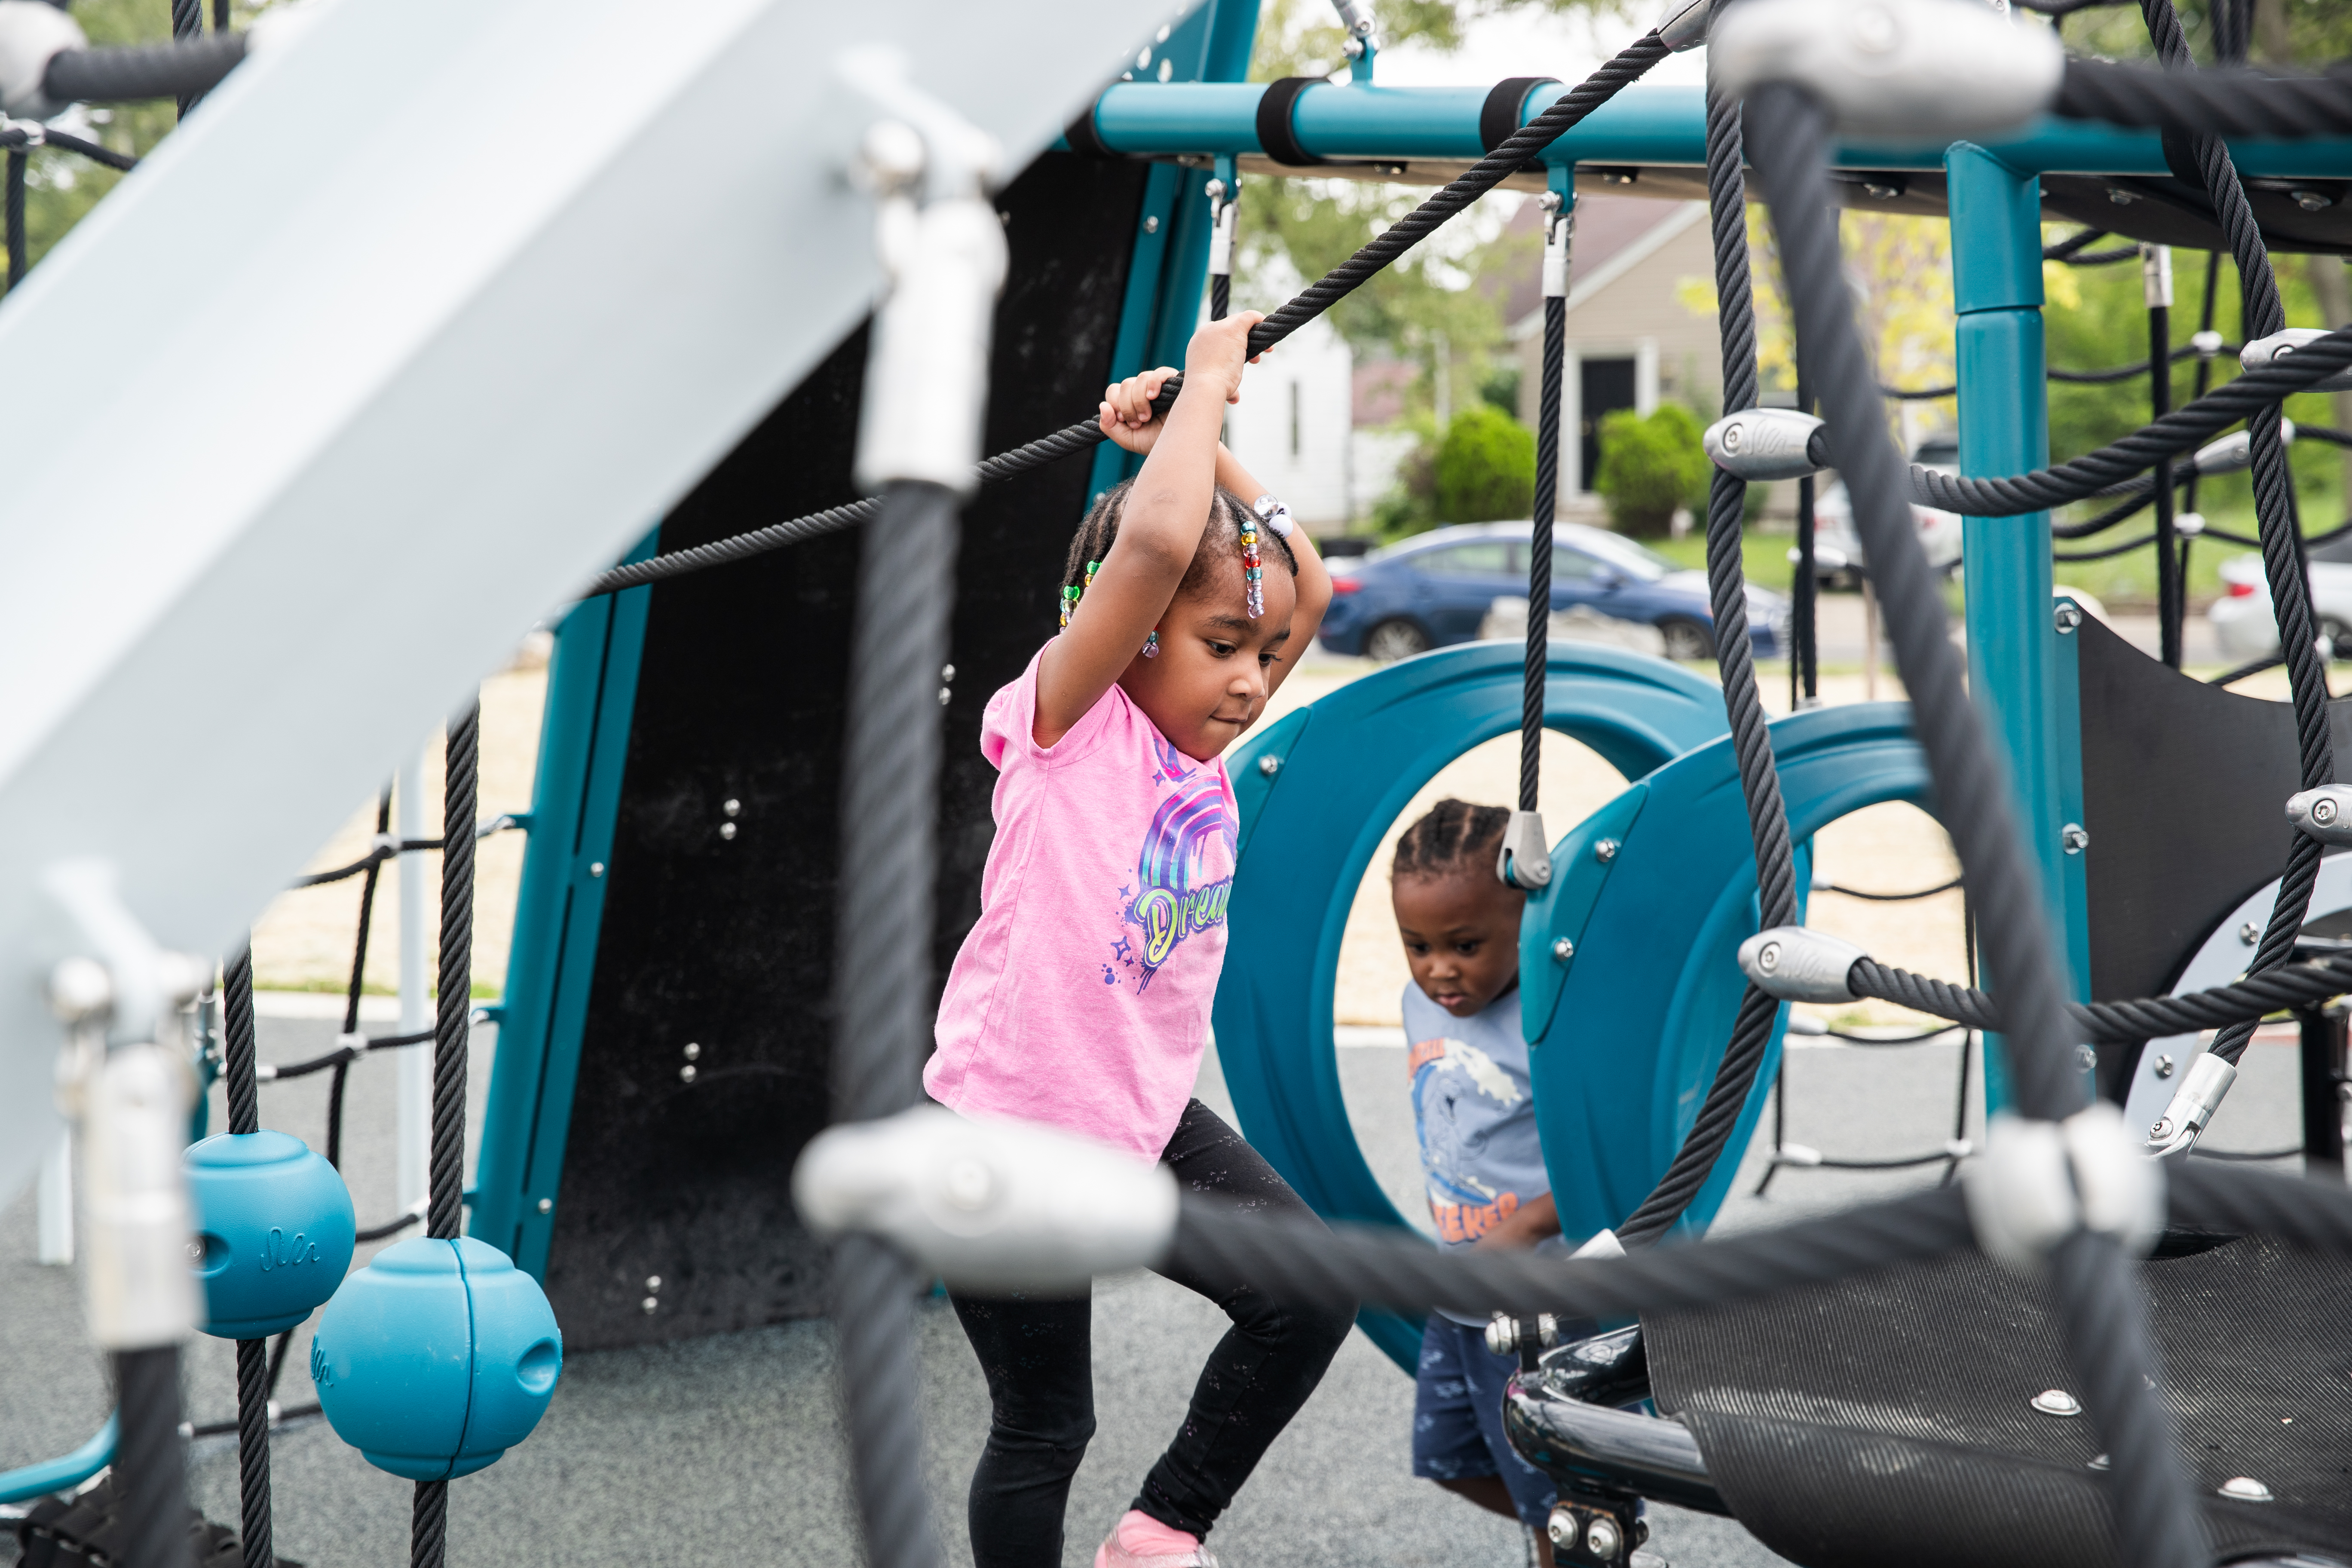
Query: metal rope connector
[1524, 861]
[988, 1205]
[2324, 814]
[2040, 1182]
[1797, 964]
[1560, 229]
[32, 33]
[2235, 450]
[2200, 1093]
[1758, 444]
[943, 246]
[1683, 27]
[2279, 345]
[1923, 68]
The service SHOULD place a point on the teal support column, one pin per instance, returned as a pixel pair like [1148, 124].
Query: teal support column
[2015, 664]
[584, 740]
[1168, 271]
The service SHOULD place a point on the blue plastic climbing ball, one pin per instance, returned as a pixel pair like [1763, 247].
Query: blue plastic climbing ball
[436, 1358]
[273, 1231]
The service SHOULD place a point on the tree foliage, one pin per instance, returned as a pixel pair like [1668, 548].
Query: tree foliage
[1650, 465]
[1485, 468]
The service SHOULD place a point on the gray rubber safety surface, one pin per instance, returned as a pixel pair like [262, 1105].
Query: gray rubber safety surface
[726, 1449]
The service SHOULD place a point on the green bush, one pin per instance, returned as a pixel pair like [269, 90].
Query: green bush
[1485, 468]
[1649, 466]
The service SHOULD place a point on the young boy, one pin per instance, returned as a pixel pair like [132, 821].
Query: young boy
[1475, 1120]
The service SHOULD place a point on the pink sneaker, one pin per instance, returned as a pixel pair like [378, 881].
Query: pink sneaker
[1139, 1540]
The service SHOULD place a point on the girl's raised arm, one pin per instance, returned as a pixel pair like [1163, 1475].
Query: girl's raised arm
[1158, 532]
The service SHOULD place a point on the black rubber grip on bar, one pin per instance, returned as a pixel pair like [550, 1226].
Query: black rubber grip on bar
[137, 71]
[1498, 117]
[1274, 133]
[1083, 139]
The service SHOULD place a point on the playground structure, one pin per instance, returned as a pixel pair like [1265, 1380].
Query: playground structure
[650, 889]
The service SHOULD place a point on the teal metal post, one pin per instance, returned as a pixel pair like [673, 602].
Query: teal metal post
[1168, 269]
[2013, 655]
[584, 740]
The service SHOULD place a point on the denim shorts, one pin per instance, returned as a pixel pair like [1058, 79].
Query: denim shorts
[1457, 1417]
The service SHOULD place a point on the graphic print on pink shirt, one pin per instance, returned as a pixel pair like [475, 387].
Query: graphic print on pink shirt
[1081, 996]
[1169, 908]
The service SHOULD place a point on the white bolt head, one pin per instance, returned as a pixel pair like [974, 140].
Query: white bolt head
[2164, 1066]
[726, 830]
[547, 1206]
[1873, 29]
[2057, 1401]
[1563, 950]
[1269, 766]
[968, 1185]
[1605, 851]
[650, 1305]
[1603, 1538]
[693, 1052]
[891, 155]
[1564, 1531]
[79, 988]
[2250, 933]
[2323, 810]
[1767, 957]
[653, 1281]
[2245, 1489]
[687, 1073]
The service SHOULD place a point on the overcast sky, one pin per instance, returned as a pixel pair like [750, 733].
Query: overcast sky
[1530, 43]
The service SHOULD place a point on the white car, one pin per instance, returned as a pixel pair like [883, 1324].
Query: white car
[1838, 555]
[2247, 627]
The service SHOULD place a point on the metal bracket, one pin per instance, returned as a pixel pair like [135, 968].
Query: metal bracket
[1524, 861]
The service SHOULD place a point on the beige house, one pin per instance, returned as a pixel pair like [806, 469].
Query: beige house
[1632, 341]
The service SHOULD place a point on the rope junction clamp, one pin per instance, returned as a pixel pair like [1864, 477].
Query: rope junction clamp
[1924, 69]
[2280, 345]
[1799, 964]
[1221, 204]
[1559, 226]
[945, 260]
[129, 1099]
[1503, 1332]
[2200, 1094]
[988, 1205]
[32, 33]
[2236, 450]
[1758, 444]
[2324, 814]
[1683, 27]
[1524, 861]
[2040, 1182]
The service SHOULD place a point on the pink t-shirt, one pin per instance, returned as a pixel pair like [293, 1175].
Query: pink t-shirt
[1081, 998]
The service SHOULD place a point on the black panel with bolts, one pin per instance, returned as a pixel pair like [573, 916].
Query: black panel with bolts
[704, 1067]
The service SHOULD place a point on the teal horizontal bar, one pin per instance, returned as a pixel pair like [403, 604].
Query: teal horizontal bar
[68, 1470]
[1643, 126]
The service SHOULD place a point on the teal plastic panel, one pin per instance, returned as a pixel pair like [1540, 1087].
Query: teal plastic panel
[1313, 828]
[584, 740]
[1646, 1006]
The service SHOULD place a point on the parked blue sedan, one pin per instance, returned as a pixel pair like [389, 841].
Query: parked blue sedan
[1435, 588]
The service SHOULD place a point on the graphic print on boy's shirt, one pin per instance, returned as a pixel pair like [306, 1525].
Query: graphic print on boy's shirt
[1480, 1154]
[1177, 891]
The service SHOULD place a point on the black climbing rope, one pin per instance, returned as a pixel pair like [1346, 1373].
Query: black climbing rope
[2101, 1318]
[2274, 509]
[1559, 234]
[352, 992]
[1627, 67]
[253, 1383]
[1751, 738]
[445, 1211]
[905, 598]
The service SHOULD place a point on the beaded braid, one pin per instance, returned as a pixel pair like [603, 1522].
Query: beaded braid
[1252, 568]
[1090, 547]
[1452, 837]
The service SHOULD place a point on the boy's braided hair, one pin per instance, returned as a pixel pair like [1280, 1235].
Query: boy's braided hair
[1221, 540]
[1453, 837]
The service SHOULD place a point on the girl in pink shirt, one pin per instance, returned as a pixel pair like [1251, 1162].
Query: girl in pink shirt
[1081, 996]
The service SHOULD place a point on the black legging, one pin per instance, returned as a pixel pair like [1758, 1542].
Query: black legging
[1038, 1360]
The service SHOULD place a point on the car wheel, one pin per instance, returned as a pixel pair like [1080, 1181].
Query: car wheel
[1392, 640]
[1685, 639]
[2338, 636]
